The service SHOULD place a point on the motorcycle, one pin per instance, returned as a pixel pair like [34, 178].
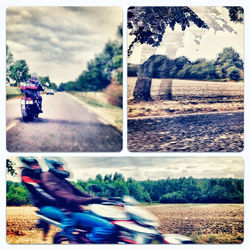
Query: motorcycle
[29, 105]
[133, 224]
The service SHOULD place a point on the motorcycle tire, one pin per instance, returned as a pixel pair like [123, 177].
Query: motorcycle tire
[60, 239]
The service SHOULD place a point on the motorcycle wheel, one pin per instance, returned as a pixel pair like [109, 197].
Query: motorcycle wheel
[60, 239]
[25, 118]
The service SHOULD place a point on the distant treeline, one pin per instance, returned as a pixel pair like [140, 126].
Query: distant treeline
[101, 70]
[227, 66]
[181, 190]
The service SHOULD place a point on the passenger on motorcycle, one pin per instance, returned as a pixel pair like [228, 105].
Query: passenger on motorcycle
[32, 89]
[71, 198]
[31, 177]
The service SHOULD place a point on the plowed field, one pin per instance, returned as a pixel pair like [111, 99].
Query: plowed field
[204, 223]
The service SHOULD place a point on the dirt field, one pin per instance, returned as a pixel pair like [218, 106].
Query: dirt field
[204, 223]
[188, 97]
[210, 223]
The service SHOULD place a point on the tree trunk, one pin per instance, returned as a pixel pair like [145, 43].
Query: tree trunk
[165, 91]
[142, 89]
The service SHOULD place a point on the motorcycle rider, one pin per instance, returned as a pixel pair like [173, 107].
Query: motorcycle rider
[31, 177]
[32, 88]
[71, 198]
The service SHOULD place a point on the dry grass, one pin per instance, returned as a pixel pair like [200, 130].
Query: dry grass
[21, 227]
[170, 108]
[206, 223]
[188, 97]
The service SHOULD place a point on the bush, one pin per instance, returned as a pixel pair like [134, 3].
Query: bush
[17, 195]
[234, 74]
[174, 197]
[114, 94]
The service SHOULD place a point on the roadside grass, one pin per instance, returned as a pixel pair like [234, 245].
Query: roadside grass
[97, 102]
[13, 92]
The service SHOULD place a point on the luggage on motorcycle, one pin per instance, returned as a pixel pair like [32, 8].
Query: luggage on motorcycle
[29, 86]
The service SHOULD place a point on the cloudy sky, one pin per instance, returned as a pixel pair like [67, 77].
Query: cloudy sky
[194, 42]
[154, 168]
[59, 41]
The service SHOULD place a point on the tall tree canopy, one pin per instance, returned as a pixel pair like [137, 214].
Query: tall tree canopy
[148, 24]
[19, 71]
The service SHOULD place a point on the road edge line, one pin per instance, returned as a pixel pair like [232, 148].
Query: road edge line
[10, 126]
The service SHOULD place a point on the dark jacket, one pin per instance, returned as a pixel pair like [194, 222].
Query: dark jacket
[66, 194]
[35, 187]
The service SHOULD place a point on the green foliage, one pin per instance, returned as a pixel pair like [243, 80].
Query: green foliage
[17, 195]
[181, 190]
[236, 13]
[62, 87]
[19, 71]
[100, 70]
[47, 83]
[10, 167]
[227, 66]
[174, 197]
[148, 24]
[133, 69]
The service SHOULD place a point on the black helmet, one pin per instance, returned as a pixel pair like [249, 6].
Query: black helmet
[55, 165]
[31, 165]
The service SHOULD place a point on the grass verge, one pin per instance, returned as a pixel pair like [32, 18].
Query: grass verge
[13, 92]
[98, 104]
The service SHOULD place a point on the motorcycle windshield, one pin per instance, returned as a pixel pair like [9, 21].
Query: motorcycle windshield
[142, 215]
[109, 212]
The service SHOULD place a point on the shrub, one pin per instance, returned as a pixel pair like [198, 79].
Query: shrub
[114, 94]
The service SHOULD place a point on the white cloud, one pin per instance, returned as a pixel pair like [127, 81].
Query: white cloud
[153, 168]
[53, 40]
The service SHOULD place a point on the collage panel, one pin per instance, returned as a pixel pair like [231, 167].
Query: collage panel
[64, 79]
[185, 79]
[119, 200]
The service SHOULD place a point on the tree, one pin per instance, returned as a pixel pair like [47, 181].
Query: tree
[17, 195]
[19, 71]
[62, 87]
[236, 13]
[10, 167]
[227, 61]
[234, 73]
[148, 25]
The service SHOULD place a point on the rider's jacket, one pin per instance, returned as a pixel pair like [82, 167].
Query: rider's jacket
[32, 85]
[35, 187]
[66, 194]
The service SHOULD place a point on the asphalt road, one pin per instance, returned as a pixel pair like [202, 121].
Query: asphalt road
[64, 126]
[213, 132]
